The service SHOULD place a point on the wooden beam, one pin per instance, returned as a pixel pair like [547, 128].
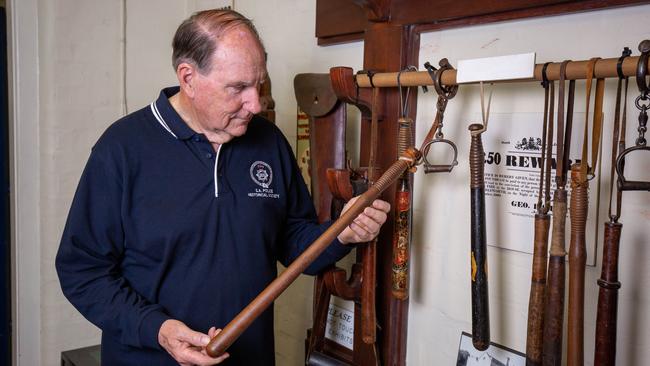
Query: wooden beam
[605, 68]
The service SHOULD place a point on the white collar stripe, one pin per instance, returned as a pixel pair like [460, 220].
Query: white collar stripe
[216, 163]
[156, 113]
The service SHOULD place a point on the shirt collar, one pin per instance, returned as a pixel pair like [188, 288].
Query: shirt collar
[168, 117]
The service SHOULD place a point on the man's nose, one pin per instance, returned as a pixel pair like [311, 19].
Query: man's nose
[252, 101]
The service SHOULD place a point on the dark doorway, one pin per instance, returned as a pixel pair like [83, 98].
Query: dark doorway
[5, 243]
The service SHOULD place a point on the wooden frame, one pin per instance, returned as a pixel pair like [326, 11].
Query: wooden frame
[339, 21]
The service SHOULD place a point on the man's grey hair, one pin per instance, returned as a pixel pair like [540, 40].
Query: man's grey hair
[197, 38]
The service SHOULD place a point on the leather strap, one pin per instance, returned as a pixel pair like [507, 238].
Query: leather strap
[544, 197]
[374, 137]
[567, 130]
[619, 126]
[587, 169]
[542, 166]
[598, 125]
[549, 149]
[560, 178]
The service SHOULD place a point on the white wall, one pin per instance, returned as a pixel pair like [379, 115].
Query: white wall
[23, 81]
[75, 89]
[80, 94]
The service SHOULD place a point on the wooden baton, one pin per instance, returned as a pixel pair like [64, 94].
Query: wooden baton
[555, 280]
[480, 300]
[577, 261]
[606, 315]
[220, 343]
[605, 352]
[535, 326]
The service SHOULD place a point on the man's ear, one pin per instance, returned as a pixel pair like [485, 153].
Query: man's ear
[186, 74]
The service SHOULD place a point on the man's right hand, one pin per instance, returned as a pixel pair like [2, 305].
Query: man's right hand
[186, 345]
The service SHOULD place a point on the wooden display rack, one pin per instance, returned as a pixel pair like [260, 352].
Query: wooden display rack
[391, 34]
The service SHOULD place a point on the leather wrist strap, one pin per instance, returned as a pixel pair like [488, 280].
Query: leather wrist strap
[587, 170]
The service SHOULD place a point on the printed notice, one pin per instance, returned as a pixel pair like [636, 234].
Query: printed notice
[340, 323]
[513, 149]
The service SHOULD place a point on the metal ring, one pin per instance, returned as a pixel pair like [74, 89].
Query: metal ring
[449, 91]
[643, 96]
[642, 67]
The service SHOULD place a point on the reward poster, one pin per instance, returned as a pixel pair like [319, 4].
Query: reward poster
[513, 149]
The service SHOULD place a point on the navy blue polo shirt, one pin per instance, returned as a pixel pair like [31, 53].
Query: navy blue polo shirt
[162, 226]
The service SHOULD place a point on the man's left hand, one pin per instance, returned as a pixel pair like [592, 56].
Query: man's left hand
[365, 227]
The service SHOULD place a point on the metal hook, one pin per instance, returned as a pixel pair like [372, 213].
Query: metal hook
[404, 104]
[642, 67]
[371, 74]
[448, 91]
[402, 108]
[627, 52]
[432, 74]
[545, 80]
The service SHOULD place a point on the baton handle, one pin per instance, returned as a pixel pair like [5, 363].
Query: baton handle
[577, 261]
[534, 337]
[605, 354]
[554, 302]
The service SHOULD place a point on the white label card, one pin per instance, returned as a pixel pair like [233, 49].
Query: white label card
[521, 66]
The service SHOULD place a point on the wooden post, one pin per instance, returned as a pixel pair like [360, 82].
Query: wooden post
[389, 47]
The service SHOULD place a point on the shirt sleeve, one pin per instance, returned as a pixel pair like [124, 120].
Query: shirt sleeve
[302, 228]
[89, 258]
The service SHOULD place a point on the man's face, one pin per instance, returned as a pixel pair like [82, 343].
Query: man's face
[226, 98]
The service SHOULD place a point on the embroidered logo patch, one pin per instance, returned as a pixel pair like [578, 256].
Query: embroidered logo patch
[262, 174]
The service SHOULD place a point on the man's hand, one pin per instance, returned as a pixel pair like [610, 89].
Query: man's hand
[366, 226]
[187, 346]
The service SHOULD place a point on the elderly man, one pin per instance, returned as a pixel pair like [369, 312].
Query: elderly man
[185, 206]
